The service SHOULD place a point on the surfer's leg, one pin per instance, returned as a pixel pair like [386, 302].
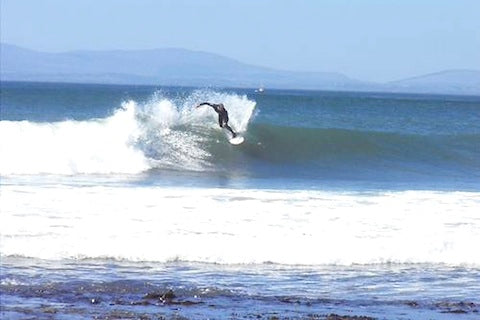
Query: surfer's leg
[223, 123]
[230, 129]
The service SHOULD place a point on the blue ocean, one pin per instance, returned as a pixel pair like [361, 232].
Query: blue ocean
[127, 202]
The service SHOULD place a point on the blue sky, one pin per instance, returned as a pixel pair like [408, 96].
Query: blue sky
[376, 40]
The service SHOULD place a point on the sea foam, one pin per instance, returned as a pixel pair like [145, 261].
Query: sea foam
[232, 226]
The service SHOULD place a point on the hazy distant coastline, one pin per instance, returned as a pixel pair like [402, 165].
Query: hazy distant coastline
[180, 67]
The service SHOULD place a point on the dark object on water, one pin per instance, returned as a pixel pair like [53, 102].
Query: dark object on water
[458, 307]
[166, 297]
[334, 316]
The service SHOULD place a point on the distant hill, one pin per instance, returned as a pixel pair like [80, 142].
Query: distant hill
[180, 67]
[160, 66]
[450, 81]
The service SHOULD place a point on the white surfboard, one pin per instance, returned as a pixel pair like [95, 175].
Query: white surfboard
[236, 140]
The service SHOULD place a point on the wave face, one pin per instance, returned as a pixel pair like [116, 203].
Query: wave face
[284, 144]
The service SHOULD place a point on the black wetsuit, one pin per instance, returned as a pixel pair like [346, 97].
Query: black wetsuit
[222, 116]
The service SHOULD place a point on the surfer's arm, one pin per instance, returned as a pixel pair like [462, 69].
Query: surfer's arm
[206, 104]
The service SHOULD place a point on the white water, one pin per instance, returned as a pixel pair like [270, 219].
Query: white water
[231, 226]
[135, 138]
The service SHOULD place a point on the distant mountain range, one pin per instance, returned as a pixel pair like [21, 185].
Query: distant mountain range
[180, 67]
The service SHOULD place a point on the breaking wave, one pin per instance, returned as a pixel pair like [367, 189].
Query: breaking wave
[161, 133]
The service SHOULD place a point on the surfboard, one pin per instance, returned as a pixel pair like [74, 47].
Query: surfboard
[236, 140]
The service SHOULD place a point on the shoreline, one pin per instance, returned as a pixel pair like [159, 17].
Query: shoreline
[89, 289]
[166, 305]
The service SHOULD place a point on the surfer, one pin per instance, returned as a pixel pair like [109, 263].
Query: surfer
[222, 115]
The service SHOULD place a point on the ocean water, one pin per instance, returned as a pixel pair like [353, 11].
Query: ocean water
[126, 202]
